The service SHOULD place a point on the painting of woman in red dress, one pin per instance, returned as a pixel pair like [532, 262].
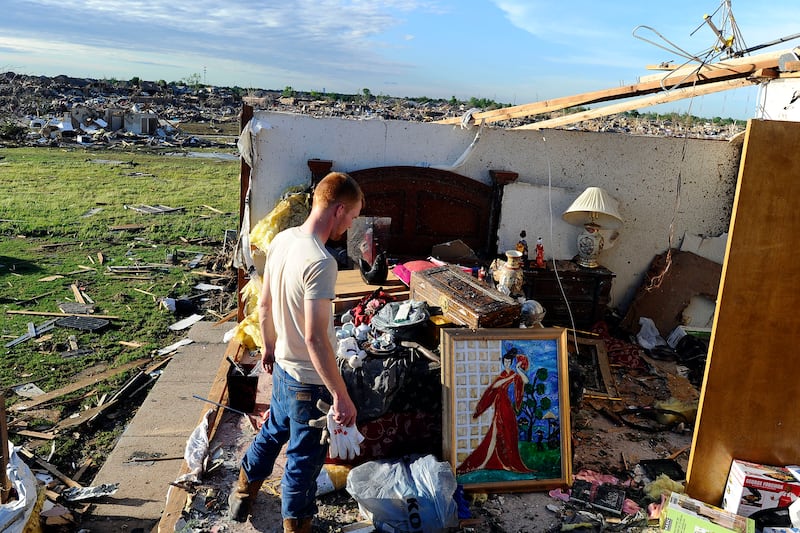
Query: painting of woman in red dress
[499, 449]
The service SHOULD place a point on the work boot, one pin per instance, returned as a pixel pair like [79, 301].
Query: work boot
[242, 497]
[297, 525]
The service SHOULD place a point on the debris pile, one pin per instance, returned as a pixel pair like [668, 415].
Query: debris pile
[44, 111]
[100, 395]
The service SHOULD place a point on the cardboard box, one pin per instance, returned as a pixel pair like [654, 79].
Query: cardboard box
[753, 486]
[683, 514]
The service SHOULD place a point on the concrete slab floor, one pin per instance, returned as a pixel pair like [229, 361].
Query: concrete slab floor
[159, 430]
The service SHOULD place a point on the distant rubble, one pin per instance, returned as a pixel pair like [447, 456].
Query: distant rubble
[41, 110]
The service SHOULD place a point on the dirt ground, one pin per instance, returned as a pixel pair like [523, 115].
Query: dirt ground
[610, 437]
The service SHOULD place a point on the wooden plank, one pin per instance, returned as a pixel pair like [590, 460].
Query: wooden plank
[91, 380]
[730, 66]
[176, 496]
[645, 101]
[66, 480]
[645, 86]
[34, 434]
[77, 293]
[349, 283]
[744, 412]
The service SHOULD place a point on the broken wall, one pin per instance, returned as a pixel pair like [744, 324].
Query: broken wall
[778, 100]
[642, 173]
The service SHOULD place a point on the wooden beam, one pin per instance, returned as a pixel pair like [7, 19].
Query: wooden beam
[734, 65]
[709, 74]
[91, 380]
[647, 101]
[66, 480]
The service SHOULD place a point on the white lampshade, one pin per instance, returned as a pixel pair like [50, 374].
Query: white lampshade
[594, 206]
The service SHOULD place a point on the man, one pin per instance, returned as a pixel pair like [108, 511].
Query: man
[297, 330]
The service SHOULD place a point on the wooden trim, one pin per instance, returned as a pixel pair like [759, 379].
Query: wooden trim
[319, 169]
[244, 185]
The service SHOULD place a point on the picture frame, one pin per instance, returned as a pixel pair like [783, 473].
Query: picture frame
[592, 358]
[506, 413]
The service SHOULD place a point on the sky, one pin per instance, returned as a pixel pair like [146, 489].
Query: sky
[509, 51]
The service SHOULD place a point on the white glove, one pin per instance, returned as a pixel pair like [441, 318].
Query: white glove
[345, 441]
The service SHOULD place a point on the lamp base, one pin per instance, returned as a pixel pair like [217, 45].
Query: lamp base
[587, 262]
[590, 244]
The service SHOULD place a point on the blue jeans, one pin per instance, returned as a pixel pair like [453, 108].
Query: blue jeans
[292, 405]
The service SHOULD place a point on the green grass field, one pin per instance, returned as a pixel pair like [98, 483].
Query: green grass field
[67, 218]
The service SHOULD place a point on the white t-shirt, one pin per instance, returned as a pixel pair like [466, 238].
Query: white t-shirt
[299, 268]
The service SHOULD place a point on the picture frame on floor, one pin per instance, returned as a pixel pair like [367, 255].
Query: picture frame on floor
[506, 414]
[592, 359]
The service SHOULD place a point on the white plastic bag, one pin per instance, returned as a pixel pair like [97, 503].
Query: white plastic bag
[406, 495]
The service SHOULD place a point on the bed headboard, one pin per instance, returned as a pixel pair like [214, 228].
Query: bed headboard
[429, 206]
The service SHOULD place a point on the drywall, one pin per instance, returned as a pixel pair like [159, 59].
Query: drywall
[664, 186]
[778, 100]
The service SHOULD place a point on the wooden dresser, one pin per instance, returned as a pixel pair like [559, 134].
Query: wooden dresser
[587, 290]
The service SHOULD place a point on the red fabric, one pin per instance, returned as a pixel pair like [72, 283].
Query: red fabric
[398, 434]
[369, 305]
[619, 352]
[499, 449]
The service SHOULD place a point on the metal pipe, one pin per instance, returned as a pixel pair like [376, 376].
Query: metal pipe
[220, 405]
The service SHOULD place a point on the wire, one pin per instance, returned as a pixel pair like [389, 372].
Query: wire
[553, 257]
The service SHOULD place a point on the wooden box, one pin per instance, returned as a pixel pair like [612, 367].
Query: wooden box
[463, 299]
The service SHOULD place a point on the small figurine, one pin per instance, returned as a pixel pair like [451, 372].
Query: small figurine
[539, 253]
[522, 246]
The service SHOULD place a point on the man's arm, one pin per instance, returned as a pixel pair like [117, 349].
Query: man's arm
[324, 359]
[266, 325]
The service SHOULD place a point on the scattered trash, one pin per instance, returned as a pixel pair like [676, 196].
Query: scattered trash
[83, 323]
[74, 494]
[405, 495]
[28, 390]
[186, 322]
[173, 347]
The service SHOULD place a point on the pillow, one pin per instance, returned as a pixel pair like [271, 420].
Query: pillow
[403, 271]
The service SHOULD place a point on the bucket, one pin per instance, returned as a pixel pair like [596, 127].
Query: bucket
[242, 389]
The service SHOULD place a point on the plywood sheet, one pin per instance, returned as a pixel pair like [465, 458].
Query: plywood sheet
[746, 408]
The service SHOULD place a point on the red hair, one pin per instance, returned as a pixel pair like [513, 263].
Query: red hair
[338, 187]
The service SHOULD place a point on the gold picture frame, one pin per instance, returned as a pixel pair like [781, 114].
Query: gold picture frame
[506, 413]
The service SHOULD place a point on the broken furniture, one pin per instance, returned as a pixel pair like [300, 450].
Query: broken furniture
[587, 291]
[668, 291]
[745, 412]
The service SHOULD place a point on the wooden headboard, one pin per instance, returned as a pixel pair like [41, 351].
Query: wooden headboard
[429, 206]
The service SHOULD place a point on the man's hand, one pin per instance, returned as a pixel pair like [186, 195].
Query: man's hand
[267, 361]
[345, 441]
[344, 410]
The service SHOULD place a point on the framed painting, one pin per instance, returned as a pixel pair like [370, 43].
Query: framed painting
[506, 423]
[591, 357]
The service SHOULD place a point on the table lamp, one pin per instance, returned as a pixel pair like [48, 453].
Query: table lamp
[595, 210]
